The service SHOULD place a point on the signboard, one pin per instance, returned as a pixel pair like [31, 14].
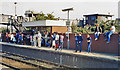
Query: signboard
[4, 18]
[67, 23]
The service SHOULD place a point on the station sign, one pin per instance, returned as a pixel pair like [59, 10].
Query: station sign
[67, 23]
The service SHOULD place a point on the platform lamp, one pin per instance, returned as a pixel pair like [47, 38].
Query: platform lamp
[15, 8]
[15, 18]
[68, 24]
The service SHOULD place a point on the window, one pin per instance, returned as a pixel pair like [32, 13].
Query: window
[93, 18]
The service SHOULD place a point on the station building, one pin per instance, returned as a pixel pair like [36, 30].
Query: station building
[49, 25]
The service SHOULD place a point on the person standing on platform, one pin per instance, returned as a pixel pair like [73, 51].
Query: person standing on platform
[80, 39]
[7, 37]
[76, 42]
[31, 40]
[14, 39]
[0, 37]
[97, 31]
[61, 41]
[39, 39]
[21, 38]
[56, 41]
[53, 39]
[119, 44]
[46, 37]
[35, 40]
[108, 34]
[17, 37]
[11, 37]
[89, 42]
[25, 40]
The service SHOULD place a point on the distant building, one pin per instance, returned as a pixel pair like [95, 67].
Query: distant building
[81, 23]
[97, 18]
[4, 19]
[30, 15]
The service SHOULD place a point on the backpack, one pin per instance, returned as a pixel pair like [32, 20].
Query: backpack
[54, 37]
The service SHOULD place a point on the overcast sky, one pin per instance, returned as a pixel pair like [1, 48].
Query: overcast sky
[81, 7]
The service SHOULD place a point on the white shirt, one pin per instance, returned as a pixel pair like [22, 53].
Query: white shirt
[113, 28]
[12, 37]
[61, 37]
[39, 35]
[0, 34]
[57, 37]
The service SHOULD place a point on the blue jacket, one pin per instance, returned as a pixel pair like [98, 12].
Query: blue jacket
[89, 39]
[119, 39]
[54, 36]
[17, 34]
[80, 38]
[76, 37]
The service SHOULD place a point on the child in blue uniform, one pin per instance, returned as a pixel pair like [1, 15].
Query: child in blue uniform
[76, 42]
[80, 39]
[119, 43]
[89, 43]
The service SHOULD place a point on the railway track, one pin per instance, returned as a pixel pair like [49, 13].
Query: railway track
[8, 67]
[37, 64]
[16, 65]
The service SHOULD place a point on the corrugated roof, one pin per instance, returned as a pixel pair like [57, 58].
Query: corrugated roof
[98, 15]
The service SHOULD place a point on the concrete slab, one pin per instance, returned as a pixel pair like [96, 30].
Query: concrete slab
[83, 53]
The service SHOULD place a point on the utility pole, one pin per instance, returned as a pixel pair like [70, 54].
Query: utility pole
[68, 24]
[15, 8]
[10, 22]
[15, 18]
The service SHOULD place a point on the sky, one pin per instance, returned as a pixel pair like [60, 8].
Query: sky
[81, 7]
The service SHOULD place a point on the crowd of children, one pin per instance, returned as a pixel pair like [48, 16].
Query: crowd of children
[38, 39]
[57, 41]
[79, 38]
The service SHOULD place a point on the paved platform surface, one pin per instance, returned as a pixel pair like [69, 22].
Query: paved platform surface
[84, 53]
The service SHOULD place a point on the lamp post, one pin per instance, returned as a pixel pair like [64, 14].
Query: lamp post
[15, 18]
[15, 8]
[68, 23]
[10, 22]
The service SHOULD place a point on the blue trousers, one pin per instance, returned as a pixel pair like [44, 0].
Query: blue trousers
[76, 45]
[80, 44]
[21, 42]
[6, 39]
[89, 47]
[119, 50]
[61, 44]
[108, 34]
[97, 34]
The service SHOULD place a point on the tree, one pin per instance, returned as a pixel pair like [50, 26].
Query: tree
[42, 16]
[4, 29]
[74, 28]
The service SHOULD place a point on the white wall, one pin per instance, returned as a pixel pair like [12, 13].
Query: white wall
[45, 23]
[55, 23]
[35, 23]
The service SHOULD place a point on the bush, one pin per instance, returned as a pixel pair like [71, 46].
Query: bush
[91, 29]
[4, 29]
